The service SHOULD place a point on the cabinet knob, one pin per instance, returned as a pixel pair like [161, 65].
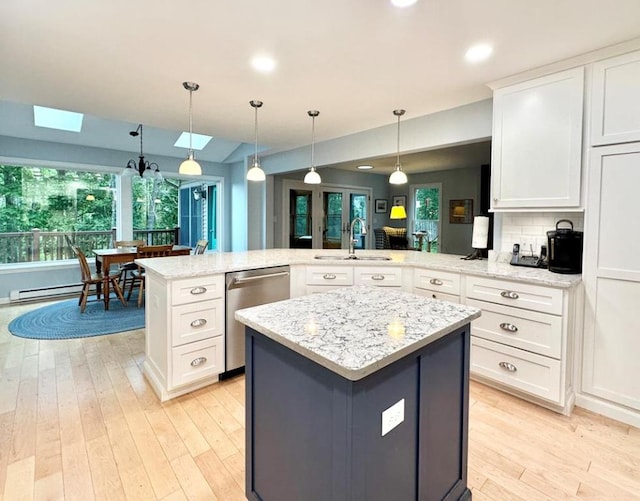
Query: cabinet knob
[329, 276]
[377, 277]
[505, 326]
[435, 281]
[508, 366]
[198, 290]
[495, 199]
[198, 361]
[509, 294]
[199, 322]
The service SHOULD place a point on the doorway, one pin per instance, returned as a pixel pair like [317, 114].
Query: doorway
[425, 210]
[199, 214]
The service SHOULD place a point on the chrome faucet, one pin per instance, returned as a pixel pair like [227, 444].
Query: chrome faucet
[352, 241]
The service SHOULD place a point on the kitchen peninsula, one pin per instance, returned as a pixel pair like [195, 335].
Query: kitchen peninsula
[523, 343]
[357, 393]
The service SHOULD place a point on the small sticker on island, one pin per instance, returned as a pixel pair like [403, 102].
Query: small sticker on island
[392, 417]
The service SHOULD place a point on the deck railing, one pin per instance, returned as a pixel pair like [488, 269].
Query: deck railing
[36, 245]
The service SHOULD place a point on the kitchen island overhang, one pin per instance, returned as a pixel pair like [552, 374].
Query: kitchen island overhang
[357, 393]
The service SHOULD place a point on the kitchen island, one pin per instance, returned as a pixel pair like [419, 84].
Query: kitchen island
[357, 393]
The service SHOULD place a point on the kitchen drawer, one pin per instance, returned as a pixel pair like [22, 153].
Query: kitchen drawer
[438, 281]
[529, 330]
[519, 369]
[190, 290]
[198, 360]
[379, 276]
[197, 321]
[441, 296]
[531, 297]
[329, 275]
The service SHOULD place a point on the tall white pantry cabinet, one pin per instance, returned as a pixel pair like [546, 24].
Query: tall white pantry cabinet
[610, 371]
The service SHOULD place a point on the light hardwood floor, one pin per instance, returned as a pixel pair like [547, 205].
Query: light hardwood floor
[79, 421]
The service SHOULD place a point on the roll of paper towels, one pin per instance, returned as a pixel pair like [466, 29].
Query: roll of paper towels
[480, 232]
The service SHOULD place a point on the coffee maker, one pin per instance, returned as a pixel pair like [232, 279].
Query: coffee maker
[565, 249]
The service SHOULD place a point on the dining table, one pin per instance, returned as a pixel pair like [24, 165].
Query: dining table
[106, 257]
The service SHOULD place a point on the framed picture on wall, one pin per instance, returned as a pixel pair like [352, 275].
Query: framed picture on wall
[399, 200]
[381, 205]
[461, 211]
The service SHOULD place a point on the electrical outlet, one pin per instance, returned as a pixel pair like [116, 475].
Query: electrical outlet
[392, 417]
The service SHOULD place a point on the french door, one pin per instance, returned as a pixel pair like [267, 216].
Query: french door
[339, 208]
[319, 217]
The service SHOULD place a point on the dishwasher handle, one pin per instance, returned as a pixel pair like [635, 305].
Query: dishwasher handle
[238, 281]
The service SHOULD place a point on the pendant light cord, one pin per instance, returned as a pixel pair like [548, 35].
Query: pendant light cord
[313, 140]
[398, 145]
[141, 140]
[255, 156]
[191, 120]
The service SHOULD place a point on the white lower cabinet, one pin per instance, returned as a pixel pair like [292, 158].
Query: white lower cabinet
[441, 285]
[324, 278]
[520, 343]
[184, 333]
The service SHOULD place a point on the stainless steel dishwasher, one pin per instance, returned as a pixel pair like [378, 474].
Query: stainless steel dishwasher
[245, 289]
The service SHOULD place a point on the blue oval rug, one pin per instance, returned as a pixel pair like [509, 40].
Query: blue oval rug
[63, 320]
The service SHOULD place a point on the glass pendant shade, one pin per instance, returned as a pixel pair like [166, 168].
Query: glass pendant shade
[190, 167]
[398, 176]
[255, 173]
[312, 177]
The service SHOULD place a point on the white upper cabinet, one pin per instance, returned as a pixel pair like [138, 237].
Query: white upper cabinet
[615, 101]
[537, 143]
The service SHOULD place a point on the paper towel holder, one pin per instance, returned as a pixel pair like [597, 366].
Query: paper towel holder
[479, 238]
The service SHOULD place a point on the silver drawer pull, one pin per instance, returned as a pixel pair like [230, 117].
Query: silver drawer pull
[329, 276]
[198, 361]
[435, 281]
[508, 366]
[509, 294]
[198, 290]
[377, 277]
[505, 326]
[199, 322]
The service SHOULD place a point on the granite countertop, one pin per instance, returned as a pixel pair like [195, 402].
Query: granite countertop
[356, 331]
[213, 263]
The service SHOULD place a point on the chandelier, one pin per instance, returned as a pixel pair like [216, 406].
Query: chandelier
[143, 167]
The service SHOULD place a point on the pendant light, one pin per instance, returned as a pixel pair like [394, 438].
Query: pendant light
[398, 176]
[256, 173]
[143, 167]
[312, 177]
[190, 167]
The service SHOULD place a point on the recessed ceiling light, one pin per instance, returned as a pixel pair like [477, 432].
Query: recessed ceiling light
[198, 141]
[478, 53]
[263, 64]
[365, 167]
[57, 119]
[403, 3]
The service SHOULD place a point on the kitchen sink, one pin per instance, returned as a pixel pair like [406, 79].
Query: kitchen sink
[353, 257]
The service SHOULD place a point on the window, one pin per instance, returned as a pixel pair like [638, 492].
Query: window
[40, 208]
[426, 214]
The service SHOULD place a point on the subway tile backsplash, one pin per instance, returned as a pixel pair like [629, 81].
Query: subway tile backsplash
[530, 228]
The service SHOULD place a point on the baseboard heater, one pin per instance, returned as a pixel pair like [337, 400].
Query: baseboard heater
[44, 292]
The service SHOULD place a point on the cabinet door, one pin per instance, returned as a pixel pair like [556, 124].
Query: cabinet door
[537, 142]
[612, 276]
[615, 100]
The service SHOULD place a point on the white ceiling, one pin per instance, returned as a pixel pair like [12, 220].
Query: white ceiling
[123, 62]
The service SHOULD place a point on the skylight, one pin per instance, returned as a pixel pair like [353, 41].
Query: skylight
[57, 119]
[199, 141]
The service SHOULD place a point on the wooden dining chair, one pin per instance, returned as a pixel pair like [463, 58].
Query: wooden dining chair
[146, 251]
[201, 246]
[89, 279]
[125, 269]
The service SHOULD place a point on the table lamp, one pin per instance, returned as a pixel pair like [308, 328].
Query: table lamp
[479, 237]
[398, 212]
